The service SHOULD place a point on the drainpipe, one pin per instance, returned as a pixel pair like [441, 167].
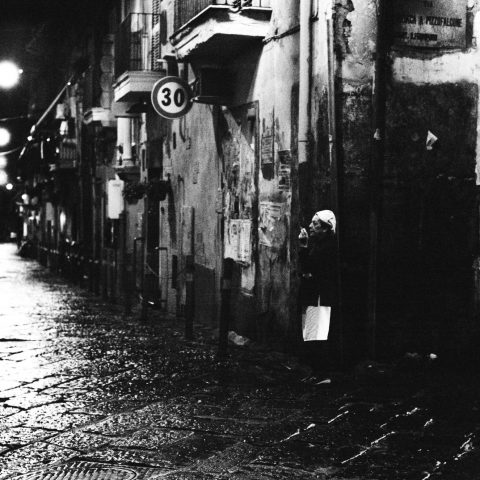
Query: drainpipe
[376, 171]
[304, 80]
[336, 164]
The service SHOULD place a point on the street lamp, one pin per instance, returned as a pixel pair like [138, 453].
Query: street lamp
[4, 137]
[3, 178]
[9, 74]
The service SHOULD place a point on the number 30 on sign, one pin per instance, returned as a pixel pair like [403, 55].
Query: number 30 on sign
[171, 97]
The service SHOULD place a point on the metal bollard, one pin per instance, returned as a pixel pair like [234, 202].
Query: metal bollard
[225, 307]
[143, 298]
[96, 277]
[190, 297]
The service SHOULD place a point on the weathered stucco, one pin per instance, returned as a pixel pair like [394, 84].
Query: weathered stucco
[426, 91]
[428, 223]
[214, 149]
[239, 163]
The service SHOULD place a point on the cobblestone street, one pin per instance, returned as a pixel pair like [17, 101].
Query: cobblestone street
[88, 394]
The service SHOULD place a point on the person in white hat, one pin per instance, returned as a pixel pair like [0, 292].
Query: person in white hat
[318, 288]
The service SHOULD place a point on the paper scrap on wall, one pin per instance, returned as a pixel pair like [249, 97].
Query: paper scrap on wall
[232, 242]
[269, 224]
[284, 169]
[267, 147]
[245, 242]
[238, 240]
[431, 140]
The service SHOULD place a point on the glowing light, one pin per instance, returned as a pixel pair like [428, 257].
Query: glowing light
[64, 127]
[3, 177]
[25, 198]
[9, 74]
[3, 161]
[63, 221]
[9, 186]
[4, 137]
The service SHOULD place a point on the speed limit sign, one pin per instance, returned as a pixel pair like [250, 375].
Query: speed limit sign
[171, 97]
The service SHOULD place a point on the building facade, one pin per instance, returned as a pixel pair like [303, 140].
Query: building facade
[365, 108]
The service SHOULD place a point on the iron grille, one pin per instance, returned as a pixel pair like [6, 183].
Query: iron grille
[134, 43]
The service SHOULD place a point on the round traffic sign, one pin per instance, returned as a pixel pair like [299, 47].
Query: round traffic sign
[171, 97]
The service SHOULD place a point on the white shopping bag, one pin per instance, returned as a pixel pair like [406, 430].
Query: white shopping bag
[316, 323]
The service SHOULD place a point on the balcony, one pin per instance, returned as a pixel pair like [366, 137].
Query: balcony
[67, 155]
[127, 170]
[136, 52]
[98, 89]
[219, 29]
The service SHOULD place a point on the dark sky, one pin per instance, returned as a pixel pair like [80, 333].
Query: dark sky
[19, 18]
[33, 35]
[19, 22]
[22, 24]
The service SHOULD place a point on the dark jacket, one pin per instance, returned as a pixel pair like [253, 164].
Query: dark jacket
[321, 261]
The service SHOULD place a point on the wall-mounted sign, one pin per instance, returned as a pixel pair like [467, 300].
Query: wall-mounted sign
[115, 201]
[171, 97]
[430, 23]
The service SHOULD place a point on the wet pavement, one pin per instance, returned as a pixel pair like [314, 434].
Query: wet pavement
[86, 393]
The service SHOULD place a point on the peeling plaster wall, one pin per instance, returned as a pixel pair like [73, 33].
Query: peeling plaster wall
[428, 235]
[432, 195]
[196, 153]
[266, 76]
[192, 162]
[429, 223]
[273, 86]
[354, 29]
[425, 91]
[455, 67]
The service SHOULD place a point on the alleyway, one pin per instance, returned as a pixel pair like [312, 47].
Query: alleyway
[87, 394]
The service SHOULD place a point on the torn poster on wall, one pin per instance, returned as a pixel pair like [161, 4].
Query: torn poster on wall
[245, 251]
[284, 169]
[267, 150]
[267, 146]
[271, 228]
[232, 243]
[240, 169]
[238, 240]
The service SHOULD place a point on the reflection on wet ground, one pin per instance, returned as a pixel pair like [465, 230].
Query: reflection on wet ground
[85, 390]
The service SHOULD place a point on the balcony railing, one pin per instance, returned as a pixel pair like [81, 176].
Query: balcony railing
[67, 156]
[185, 10]
[133, 44]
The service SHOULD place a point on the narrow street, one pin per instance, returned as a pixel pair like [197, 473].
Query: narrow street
[87, 394]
